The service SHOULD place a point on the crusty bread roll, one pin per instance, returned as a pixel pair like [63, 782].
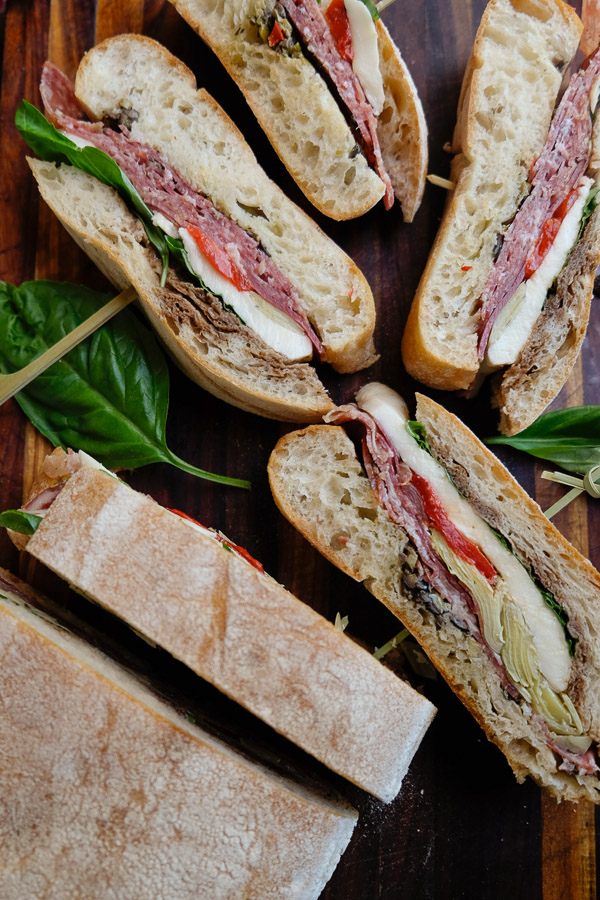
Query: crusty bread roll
[502, 125]
[321, 487]
[234, 626]
[105, 791]
[202, 144]
[302, 118]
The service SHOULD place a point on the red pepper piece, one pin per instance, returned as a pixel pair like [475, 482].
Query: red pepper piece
[276, 35]
[466, 268]
[219, 259]
[461, 545]
[339, 25]
[549, 231]
[241, 551]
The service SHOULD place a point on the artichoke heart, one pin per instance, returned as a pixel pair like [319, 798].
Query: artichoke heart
[489, 598]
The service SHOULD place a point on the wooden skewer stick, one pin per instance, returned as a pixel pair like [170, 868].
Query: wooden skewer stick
[383, 4]
[12, 384]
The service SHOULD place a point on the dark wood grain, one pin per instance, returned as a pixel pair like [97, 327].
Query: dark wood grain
[461, 826]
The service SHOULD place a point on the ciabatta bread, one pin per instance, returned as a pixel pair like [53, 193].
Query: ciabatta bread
[502, 126]
[205, 147]
[106, 791]
[302, 119]
[321, 487]
[234, 626]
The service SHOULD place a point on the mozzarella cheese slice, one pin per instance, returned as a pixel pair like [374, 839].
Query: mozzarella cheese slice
[366, 53]
[514, 324]
[389, 411]
[274, 327]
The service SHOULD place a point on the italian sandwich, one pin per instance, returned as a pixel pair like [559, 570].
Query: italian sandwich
[439, 531]
[210, 605]
[508, 285]
[157, 185]
[106, 790]
[331, 91]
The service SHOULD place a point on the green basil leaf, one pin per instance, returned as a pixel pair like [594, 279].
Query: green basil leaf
[109, 396]
[372, 9]
[419, 433]
[176, 247]
[570, 438]
[561, 615]
[52, 146]
[590, 205]
[19, 520]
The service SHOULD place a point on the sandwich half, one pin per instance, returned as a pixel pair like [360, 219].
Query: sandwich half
[210, 605]
[509, 281]
[157, 185]
[106, 791]
[332, 93]
[439, 531]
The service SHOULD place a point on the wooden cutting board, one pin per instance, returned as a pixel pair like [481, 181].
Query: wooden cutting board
[461, 827]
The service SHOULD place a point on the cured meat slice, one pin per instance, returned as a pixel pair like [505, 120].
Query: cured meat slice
[318, 40]
[165, 191]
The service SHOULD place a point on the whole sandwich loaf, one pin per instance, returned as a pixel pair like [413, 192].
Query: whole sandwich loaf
[509, 281]
[158, 186]
[106, 791]
[209, 604]
[332, 93]
[439, 531]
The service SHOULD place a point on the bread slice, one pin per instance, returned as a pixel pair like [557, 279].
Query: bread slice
[521, 51]
[235, 627]
[303, 121]
[321, 487]
[105, 791]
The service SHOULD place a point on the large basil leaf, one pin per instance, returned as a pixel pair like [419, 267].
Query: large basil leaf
[19, 520]
[109, 396]
[52, 146]
[570, 438]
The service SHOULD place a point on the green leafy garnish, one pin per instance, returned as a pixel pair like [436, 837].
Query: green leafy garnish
[419, 433]
[501, 538]
[590, 205]
[372, 9]
[52, 146]
[568, 437]
[176, 247]
[561, 614]
[109, 396]
[18, 520]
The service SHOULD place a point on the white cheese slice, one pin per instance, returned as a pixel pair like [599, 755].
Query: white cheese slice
[366, 54]
[166, 225]
[274, 327]
[389, 411]
[78, 141]
[513, 326]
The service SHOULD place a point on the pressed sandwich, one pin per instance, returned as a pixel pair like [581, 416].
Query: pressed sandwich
[440, 532]
[209, 604]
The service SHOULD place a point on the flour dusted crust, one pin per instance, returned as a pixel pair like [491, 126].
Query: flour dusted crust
[106, 791]
[303, 121]
[509, 91]
[203, 144]
[320, 486]
[235, 627]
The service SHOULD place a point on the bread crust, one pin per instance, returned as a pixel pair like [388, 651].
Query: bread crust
[499, 132]
[235, 627]
[131, 799]
[303, 477]
[305, 125]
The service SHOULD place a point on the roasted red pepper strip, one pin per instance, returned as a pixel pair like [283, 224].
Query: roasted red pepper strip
[461, 545]
[339, 25]
[219, 259]
[276, 35]
[549, 231]
[241, 551]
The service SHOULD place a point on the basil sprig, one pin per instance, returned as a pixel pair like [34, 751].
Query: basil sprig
[419, 433]
[109, 396]
[52, 146]
[569, 438]
[19, 520]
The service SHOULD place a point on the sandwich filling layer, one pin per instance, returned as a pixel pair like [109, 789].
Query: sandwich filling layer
[238, 270]
[546, 227]
[300, 26]
[467, 572]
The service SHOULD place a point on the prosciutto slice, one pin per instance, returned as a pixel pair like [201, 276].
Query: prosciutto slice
[555, 173]
[318, 40]
[165, 191]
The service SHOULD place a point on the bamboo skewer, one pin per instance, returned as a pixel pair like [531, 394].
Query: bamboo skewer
[12, 384]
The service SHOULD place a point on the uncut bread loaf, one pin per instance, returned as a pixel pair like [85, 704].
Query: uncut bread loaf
[502, 125]
[296, 107]
[135, 76]
[106, 791]
[174, 583]
[321, 487]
